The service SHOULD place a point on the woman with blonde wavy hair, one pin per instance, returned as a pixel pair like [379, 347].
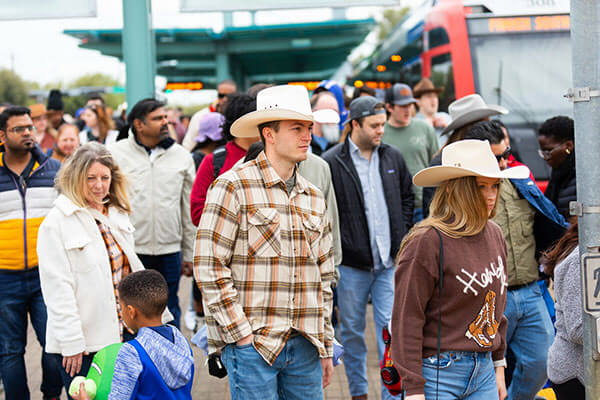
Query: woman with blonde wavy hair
[448, 327]
[85, 247]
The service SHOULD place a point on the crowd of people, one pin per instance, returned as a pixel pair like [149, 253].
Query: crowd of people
[292, 211]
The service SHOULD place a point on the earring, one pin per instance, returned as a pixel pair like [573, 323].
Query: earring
[567, 151]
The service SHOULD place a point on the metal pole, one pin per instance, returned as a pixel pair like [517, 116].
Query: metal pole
[585, 36]
[139, 50]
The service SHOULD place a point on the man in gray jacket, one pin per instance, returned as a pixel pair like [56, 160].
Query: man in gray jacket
[161, 174]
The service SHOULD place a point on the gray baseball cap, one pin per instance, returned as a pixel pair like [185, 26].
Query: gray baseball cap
[400, 94]
[364, 106]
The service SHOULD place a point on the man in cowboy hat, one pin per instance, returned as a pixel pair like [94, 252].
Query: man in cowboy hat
[427, 100]
[264, 259]
[375, 202]
[415, 139]
[464, 112]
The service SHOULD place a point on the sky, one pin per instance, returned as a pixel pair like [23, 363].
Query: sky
[38, 51]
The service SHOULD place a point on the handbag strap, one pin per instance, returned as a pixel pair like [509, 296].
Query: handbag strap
[439, 332]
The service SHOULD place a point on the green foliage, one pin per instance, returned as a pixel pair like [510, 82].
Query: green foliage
[12, 88]
[391, 18]
[73, 103]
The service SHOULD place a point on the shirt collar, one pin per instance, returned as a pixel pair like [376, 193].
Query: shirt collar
[270, 176]
[321, 142]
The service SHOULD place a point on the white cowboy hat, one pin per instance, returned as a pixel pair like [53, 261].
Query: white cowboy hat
[277, 103]
[467, 158]
[469, 109]
[326, 116]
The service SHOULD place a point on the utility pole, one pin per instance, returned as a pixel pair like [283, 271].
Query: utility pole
[585, 36]
[139, 50]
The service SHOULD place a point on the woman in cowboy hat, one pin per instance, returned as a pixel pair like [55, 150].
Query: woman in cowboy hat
[448, 327]
[464, 113]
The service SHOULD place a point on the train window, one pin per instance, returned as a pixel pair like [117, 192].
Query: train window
[437, 37]
[442, 75]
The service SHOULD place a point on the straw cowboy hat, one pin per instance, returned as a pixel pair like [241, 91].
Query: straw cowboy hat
[467, 158]
[426, 86]
[469, 109]
[277, 103]
[37, 110]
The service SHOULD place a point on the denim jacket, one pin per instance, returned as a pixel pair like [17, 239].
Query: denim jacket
[549, 224]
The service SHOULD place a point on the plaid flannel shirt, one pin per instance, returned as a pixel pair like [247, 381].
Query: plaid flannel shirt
[264, 261]
[119, 266]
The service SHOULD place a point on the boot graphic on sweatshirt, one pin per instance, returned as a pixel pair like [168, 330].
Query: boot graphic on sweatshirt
[484, 328]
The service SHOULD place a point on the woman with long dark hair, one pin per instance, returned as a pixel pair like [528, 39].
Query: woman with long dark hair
[448, 327]
[565, 358]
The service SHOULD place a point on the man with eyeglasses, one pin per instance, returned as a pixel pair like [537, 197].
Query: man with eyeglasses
[224, 88]
[530, 224]
[27, 194]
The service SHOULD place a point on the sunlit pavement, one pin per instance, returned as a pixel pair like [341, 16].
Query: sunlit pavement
[210, 388]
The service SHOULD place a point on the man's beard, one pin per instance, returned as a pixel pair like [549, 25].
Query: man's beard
[331, 132]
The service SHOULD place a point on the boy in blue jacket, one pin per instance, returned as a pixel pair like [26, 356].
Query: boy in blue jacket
[158, 363]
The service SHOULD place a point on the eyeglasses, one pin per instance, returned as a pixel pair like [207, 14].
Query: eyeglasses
[546, 154]
[221, 95]
[21, 129]
[504, 155]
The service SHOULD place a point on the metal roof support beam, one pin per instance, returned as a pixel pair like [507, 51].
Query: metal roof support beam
[223, 71]
[293, 76]
[139, 50]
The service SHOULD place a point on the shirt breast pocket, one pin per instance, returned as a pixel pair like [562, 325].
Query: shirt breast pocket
[264, 233]
[312, 231]
[79, 253]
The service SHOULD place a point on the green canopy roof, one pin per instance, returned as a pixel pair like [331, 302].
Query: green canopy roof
[267, 53]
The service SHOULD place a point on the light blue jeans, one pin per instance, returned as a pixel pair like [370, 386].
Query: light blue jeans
[529, 335]
[296, 373]
[353, 289]
[463, 375]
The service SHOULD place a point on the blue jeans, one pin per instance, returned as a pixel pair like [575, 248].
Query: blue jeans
[169, 265]
[296, 373]
[353, 289]
[463, 375]
[20, 295]
[529, 335]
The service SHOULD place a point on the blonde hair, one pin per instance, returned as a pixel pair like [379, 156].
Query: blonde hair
[458, 209]
[71, 178]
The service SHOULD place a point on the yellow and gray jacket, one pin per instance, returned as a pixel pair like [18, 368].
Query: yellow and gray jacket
[24, 203]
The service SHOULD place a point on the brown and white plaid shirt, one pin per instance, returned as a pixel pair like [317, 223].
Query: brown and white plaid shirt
[119, 265]
[264, 261]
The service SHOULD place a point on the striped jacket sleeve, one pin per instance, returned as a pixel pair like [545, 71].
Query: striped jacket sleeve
[215, 241]
[128, 368]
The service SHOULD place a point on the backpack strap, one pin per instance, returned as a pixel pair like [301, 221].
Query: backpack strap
[219, 156]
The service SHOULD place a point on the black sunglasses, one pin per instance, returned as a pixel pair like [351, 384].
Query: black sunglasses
[504, 155]
[221, 95]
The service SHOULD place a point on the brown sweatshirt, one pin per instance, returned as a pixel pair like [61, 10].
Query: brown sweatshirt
[473, 300]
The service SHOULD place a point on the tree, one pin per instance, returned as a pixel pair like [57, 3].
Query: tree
[13, 89]
[73, 103]
[390, 18]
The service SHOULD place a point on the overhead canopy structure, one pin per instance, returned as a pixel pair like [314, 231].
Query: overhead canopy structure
[267, 53]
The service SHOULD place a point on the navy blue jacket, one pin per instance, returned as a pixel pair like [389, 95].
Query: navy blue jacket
[399, 197]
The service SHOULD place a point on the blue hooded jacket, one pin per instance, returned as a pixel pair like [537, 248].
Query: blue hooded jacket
[157, 364]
